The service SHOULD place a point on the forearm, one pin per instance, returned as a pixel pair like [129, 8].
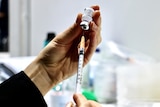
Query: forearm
[19, 91]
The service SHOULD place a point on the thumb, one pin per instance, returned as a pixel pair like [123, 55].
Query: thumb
[79, 99]
[72, 32]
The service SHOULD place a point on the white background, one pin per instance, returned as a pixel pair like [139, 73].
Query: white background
[133, 23]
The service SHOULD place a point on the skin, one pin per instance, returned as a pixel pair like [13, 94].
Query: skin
[59, 59]
[81, 101]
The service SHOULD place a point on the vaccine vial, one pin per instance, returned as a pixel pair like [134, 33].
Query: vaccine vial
[86, 18]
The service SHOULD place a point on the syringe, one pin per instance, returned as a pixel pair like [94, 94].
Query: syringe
[80, 65]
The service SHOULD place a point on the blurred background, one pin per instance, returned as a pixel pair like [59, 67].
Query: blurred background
[132, 23]
[132, 26]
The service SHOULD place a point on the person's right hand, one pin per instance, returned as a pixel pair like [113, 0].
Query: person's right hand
[81, 101]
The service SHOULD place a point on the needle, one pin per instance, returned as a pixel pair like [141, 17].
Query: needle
[80, 65]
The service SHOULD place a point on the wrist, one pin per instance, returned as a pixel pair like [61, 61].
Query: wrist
[39, 76]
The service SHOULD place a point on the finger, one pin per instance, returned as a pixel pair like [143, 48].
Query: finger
[94, 39]
[79, 99]
[97, 17]
[95, 7]
[96, 33]
[78, 20]
[70, 104]
[96, 13]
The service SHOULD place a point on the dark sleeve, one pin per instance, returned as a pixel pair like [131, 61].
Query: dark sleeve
[20, 91]
[4, 6]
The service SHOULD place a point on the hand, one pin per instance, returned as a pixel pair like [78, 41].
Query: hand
[61, 56]
[81, 101]
[59, 59]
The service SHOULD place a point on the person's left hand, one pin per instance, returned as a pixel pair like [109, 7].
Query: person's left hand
[59, 59]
